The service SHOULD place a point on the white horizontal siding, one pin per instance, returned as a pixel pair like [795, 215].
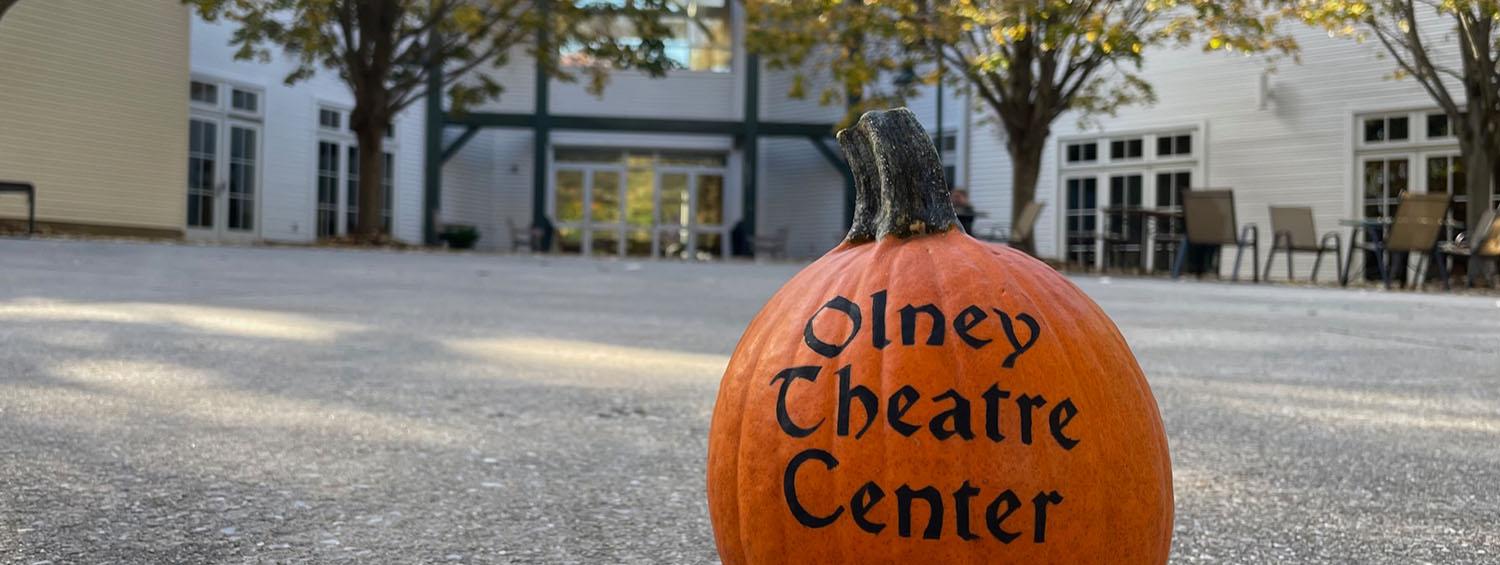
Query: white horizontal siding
[290, 133]
[1298, 151]
[93, 111]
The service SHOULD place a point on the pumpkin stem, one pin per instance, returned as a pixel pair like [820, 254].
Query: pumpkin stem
[866, 185]
[899, 185]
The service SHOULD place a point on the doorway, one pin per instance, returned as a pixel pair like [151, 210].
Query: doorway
[223, 178]
[660, 204]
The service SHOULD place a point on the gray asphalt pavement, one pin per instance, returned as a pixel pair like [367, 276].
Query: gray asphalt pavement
[186, 404]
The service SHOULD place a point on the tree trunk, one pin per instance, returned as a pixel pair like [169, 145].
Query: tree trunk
[371, 176]
[1480, 169]
[1025, 148]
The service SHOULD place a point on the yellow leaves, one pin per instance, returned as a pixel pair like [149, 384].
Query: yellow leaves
[469, 19]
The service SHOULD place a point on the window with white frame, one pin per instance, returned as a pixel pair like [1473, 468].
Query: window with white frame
[204, 92]
[1082, 197]
[338, 176]
[1123, 149]
[1113, 192]
[1391, 128]
[698, 34]
[246, 101]
[224, 156]
[1087, 152]
[1174, 145]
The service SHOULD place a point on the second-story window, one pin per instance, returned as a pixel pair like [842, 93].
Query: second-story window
[698, 38]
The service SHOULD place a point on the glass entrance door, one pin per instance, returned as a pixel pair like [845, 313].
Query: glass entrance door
[690, 214]
[223, 178]
[589, 204]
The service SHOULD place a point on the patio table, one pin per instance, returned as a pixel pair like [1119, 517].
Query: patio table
[1151, 218]
[1374, 230]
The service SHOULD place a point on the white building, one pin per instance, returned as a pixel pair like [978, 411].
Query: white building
[1333, 133]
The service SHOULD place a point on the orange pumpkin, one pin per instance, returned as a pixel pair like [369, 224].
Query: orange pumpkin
[917, 396]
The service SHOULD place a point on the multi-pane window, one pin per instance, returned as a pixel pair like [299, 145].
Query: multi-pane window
[1172, 145]
[1382, 129]
[1125, 228]
[1121, 149]
[329, 119]
[241, 179]
[387, 187]
[1437, 125]
[202, 170]
[338, 181]
[204, 93]
[1384, 181]
[244, 100]
[1083, 152]
[1081, 220]
[328, 189]
[1170, 186]
[351, 194]
[1445, 174]
[1142, 180]
[698, 36]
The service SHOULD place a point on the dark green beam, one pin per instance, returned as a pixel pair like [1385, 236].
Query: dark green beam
[432, 196]
[643, 125]
[540, 123]
[833, 158]
[453, 148]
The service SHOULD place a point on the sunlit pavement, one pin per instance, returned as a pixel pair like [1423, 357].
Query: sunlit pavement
[171, 403]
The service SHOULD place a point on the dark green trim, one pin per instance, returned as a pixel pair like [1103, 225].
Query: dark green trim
[541, 125]
[833, 158]
[433, 155]
[644, 125]
[458, 144]
[749, 136]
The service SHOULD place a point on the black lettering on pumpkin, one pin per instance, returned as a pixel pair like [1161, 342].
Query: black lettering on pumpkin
[866, 398]
[1010, 335]
[1061, 415]
[877, 320]
[901, 401]
[904, 497]
[909, 324]
[789, 488]
[961, 499]
[966, 320]
[953, 421]
[829, 350]
[864, 499]
[784, 417]
[1040, 502]
[992, 398]
[1025, 405]
[994, 516]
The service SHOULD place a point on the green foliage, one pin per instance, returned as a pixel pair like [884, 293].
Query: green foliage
[378, 47]
[1029, 60]
[460, 236]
